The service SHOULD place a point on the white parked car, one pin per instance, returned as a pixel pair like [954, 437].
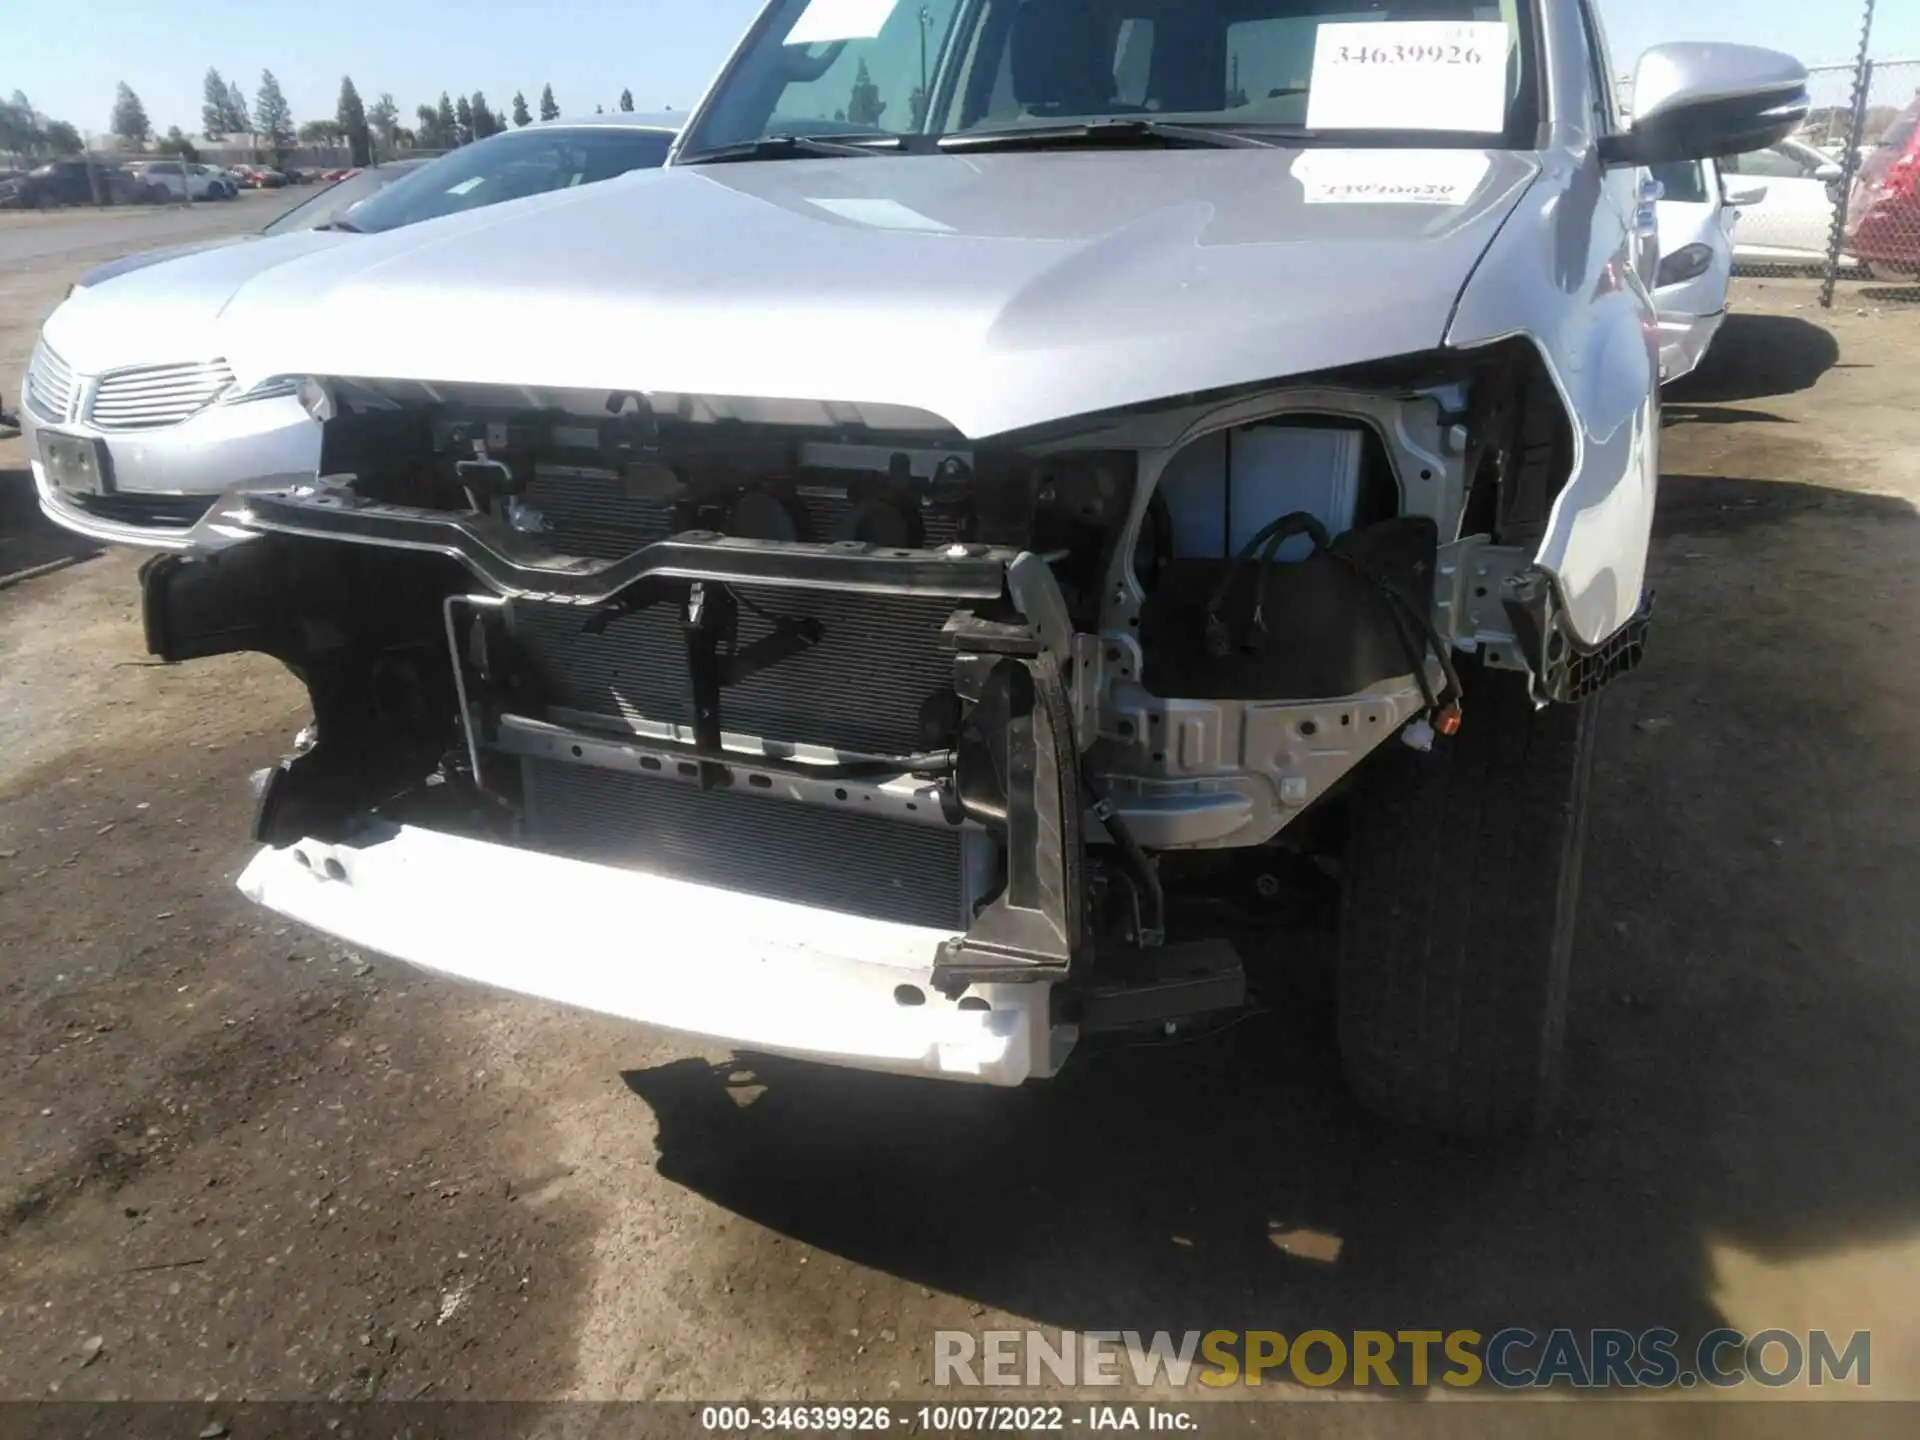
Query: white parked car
[1793, 222]
[1697, 213]
[131, 415]
[162, 180]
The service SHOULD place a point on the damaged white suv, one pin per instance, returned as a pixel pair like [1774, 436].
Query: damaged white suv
[892, 586]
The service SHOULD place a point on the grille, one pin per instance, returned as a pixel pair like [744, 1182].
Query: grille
[49, 388]
[153, 396]
[832, 859]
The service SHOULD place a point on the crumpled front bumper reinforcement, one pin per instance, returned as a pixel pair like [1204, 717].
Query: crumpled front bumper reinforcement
[755, 973]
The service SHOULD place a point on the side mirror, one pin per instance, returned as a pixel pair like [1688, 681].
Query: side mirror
[1749, 193]
[1829, 172]
[1695, 100]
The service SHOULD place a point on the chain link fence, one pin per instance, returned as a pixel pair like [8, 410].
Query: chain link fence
[1876, 233]
[1837, 200]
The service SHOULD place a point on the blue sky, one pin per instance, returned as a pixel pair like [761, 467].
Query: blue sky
[68, 57]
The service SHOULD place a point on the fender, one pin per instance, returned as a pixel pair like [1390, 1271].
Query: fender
[1583, 304]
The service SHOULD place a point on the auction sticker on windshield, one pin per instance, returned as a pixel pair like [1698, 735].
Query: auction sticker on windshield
[840, 20]
[1410, 75]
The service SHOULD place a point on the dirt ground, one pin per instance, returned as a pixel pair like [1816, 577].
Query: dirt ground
[253, 1164]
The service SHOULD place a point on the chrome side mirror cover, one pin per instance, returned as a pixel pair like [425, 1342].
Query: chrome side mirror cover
[1694, 100]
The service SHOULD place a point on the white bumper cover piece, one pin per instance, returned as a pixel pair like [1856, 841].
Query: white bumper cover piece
[1684, 341]
[758, 974]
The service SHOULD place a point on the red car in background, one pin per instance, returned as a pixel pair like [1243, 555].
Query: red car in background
[1883, 217]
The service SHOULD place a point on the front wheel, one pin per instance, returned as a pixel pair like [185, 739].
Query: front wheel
[1457, 918]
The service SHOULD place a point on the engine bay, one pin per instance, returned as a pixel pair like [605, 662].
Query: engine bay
[1023, 692]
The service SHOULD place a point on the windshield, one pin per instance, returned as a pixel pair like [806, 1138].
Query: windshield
[333, 203]
[1389, 72]
[510, 166]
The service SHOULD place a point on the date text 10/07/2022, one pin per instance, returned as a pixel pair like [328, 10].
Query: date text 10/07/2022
[945, 1419]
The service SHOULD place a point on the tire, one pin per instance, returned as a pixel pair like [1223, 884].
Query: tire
[1461, 884]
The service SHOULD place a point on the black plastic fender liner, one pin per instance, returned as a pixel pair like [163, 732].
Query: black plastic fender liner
[1565, 670]
[362, 631]
[519, 565]
[1036, 929]
[291, 599]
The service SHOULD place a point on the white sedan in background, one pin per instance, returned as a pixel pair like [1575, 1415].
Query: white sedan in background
[133, 422]
[1793, 223]
[162, 180]
[1697, 212]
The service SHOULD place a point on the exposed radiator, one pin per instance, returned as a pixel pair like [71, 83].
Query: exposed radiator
[589, 514]
[863, 687]
[877, 666]
[879, 663]
[833, 859]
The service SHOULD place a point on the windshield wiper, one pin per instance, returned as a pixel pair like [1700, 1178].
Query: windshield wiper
[789, 147]
[346, 225]
[1123, 131]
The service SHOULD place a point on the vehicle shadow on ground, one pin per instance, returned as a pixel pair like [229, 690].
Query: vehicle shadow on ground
[1755, 356]
[1743, 1077]
[29, 541]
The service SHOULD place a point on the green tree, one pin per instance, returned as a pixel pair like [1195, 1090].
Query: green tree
[384, 116]
[273, 117]
[864, 106]
[178, 144]
[323, 133]
[214, 112]
[521, 115]
[63, 138]
[129, 122]
[448, 125]
[549, 110]
[20, 130]
[352, 116]
[462, 121]
[626, 101]
[430, 134]
[239, 118]
[485, 122]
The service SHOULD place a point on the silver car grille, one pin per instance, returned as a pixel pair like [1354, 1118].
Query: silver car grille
[49, 385]
[151, 396]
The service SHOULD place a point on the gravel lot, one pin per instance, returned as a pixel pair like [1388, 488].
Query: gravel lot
[256, 1165]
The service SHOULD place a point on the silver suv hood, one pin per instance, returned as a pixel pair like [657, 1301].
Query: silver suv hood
[996, 292]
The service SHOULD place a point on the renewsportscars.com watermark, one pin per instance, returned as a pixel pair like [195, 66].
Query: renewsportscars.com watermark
[1510, 1359]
